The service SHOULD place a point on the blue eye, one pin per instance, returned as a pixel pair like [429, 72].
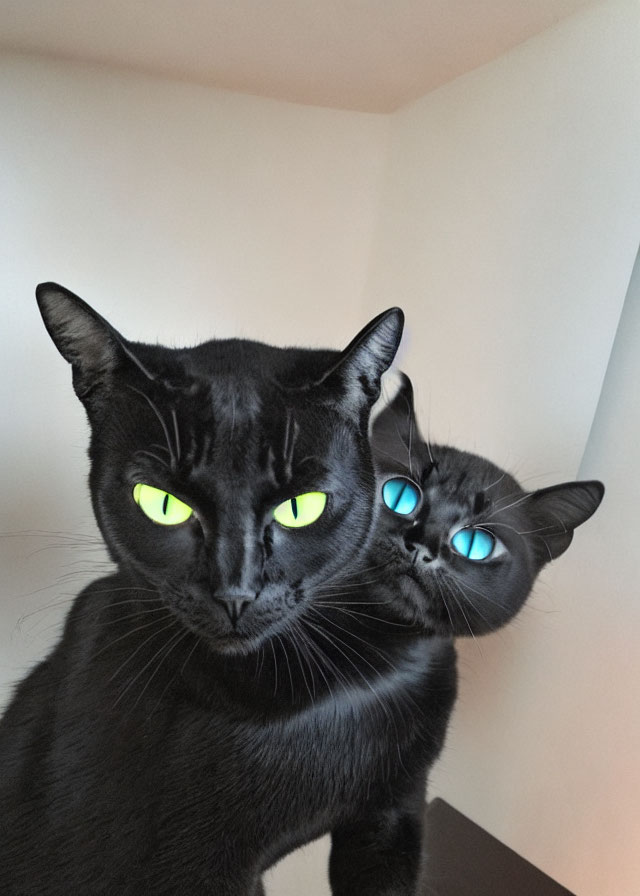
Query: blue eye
[474, 544]
[400, 495]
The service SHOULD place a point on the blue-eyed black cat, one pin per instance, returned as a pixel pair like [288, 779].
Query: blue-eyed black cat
[266, 664]
[460, 540]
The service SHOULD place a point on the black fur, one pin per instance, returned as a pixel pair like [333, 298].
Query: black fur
[236, 689]
[441, 591]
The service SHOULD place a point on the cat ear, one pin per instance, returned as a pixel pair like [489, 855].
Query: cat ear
[393, 429]
[355, 377]
[83, 338]
[559, 510]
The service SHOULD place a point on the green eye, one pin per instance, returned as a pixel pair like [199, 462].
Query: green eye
[159, 506]
[301, 510]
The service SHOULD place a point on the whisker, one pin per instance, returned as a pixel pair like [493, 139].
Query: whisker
[310, 689]
[190, 654]
[161, 421]
[259, 663]
[312, 649]
[339, 576]
[334, 641]
[444, 603]
[354, 614]
[155, 634]
[290, 673]
[176, 432]
[351, 634]
[464, 616]
[177, 673]
[464, 587]
[354, 586]
[340, 677]
[497, 482]
[129, 616]
[275, 669]
[500, 508]
[165, 651]
[129, 633]
[144, 452]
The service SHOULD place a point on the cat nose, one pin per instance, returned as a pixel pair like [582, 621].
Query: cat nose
[234, 605]
[423, 554]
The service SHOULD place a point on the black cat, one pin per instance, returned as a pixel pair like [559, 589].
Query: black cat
[460, 542]
[273, 659]
[204, 713]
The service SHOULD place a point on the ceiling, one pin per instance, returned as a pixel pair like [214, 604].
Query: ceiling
[368, 55]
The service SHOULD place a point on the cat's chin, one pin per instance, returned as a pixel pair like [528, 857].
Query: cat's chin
[234, 645]
[231, 643]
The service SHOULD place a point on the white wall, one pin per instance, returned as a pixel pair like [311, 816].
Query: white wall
[175, 201]
[508, 230]
[505, 222]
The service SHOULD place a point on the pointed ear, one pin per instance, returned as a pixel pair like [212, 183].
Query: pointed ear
[559, 510]
[394, 429]
[83, 338]
[355, 377]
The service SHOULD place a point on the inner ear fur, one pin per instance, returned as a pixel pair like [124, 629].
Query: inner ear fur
[85, 339]
[397, 410]
[394, 428]
[354, 379]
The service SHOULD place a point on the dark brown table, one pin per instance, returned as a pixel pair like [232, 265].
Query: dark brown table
[464, 860]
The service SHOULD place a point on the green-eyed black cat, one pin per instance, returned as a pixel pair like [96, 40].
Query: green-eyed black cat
[203, 714]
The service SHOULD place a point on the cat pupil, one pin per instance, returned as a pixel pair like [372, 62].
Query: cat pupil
[165, 504]
[294, 508]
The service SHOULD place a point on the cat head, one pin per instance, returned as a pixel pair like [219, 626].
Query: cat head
[230, 478]
[461, 537]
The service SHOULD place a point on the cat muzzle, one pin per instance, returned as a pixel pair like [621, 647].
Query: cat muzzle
[233, 605]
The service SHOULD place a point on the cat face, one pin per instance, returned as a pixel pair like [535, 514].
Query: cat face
[231, 479]
[460, 536]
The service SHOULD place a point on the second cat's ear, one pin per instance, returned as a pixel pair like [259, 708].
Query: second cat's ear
[558, 510]
[394, 430]
[355, 377]
[83, 338]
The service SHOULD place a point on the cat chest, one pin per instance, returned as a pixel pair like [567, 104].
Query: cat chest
[334, 756]
[297, 777]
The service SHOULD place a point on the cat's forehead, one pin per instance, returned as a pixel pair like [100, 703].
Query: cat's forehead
[243, 409]
[468, 475]
[243, 358]
[253, 380]
[215, 381]
[239, 400]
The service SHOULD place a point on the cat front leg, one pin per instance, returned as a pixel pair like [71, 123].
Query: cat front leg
[380, 856]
